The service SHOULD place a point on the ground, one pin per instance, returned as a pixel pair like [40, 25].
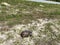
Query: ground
[41, 18]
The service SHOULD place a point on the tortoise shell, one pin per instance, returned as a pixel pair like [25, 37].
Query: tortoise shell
[26, 33]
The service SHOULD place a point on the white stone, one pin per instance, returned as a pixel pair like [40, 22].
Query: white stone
[41, 5]
[6, 4]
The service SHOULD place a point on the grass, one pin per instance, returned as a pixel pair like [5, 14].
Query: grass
[36, 11]
[27, 13]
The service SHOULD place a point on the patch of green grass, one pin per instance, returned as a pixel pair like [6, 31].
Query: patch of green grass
[48, 11]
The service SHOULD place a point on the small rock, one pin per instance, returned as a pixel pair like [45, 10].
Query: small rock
[41, 5]
[6, 4]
